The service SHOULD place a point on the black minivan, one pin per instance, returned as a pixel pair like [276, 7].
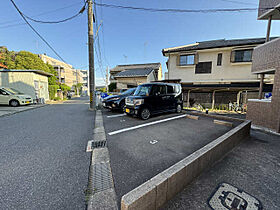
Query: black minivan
[154, 98]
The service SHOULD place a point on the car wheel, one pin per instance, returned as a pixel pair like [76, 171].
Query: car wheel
[179, 108]
[145, 114]
[122, 107]
[14, 103]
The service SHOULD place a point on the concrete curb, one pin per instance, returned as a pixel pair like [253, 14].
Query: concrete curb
[154, 193]
[221, 122]
[104, 198]
[194, 117]
[39, 106]
[218, 117]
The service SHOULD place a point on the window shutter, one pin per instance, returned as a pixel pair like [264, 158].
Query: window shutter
[232, 56]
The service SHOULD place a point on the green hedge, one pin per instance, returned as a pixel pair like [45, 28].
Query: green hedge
[52, 91]
[112, 87]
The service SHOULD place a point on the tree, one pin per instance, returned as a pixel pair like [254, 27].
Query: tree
[27, 60]
[78, 88]
[112, 87]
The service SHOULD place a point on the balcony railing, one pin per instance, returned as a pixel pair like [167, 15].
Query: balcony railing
[265, 9]
[266, 57]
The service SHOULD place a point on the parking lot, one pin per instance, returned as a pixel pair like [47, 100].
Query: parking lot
[141, 149]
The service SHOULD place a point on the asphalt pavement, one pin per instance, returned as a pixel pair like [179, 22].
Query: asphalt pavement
[139, 154]
[253, 167]
[43, 163]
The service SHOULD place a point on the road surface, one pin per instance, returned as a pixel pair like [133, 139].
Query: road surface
[43, 163]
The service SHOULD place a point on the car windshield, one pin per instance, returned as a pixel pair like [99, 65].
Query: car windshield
[129, 91]
[12, 91]
[143, 90]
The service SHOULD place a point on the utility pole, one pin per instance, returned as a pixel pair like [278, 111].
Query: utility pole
[91, 57]
[107, 79]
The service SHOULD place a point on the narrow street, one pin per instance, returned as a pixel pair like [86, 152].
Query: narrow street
[43, 163]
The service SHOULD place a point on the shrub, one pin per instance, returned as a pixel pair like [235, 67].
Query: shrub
[52, 91]
[112, 87]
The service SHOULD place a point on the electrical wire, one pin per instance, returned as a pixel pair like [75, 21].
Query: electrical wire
[180, 10]
[43, 13]
[42, 38]
[58, 21]
[239, 2]
[97, 44]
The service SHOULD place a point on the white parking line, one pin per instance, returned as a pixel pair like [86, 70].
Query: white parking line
[89, 149]
[116, 115]
[146, 124]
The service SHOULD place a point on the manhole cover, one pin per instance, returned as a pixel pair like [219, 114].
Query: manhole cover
[98, 144]
[229, 197]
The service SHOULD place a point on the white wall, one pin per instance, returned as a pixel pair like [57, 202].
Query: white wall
[227, 72]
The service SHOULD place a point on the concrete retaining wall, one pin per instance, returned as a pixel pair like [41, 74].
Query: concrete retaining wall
[154, 193]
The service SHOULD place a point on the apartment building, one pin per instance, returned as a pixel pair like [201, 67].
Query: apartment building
[85, 81]
[128, 76]
[266, 61]
[215, 72]
[66, 73]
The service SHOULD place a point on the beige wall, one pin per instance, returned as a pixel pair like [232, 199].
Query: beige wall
[160, 73]
[25, 82]
[123, 82]
[68, 73]
[227, 72]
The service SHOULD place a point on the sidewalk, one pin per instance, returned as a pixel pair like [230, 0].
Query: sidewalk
[252, 167]
[8, 110]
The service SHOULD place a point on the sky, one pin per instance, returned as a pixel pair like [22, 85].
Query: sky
[125, 36]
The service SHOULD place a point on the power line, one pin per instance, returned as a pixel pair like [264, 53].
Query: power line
[58, 21]
[103, 41]
[42, 38]
[239, 2]
[43, 13]
[180, 10]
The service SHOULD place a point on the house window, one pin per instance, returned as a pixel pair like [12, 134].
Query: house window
[203, 68]
[242, 55]
[219, 59]
[186, 60]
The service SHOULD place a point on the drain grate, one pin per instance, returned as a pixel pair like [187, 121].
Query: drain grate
[98, 144]
[101, 177]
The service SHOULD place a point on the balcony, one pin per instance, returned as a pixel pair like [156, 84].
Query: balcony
[265, 13]
[266, 57]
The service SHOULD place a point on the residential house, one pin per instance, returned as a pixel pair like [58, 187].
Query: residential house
[215, 72]
[66, 73]
[266, 61]
[85, 81]
[30, 82]
[128, 76]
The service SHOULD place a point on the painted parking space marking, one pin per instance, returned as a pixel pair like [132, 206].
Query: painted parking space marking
[116, 115]
[229, 197]
[89, 147]
[153, 141]
[145, 124]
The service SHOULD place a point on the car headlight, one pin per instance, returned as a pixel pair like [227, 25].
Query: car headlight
[138, 102]
[115, 99]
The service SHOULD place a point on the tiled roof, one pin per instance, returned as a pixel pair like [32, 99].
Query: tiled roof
[136, 66]
[134, 73]
[215, 44]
